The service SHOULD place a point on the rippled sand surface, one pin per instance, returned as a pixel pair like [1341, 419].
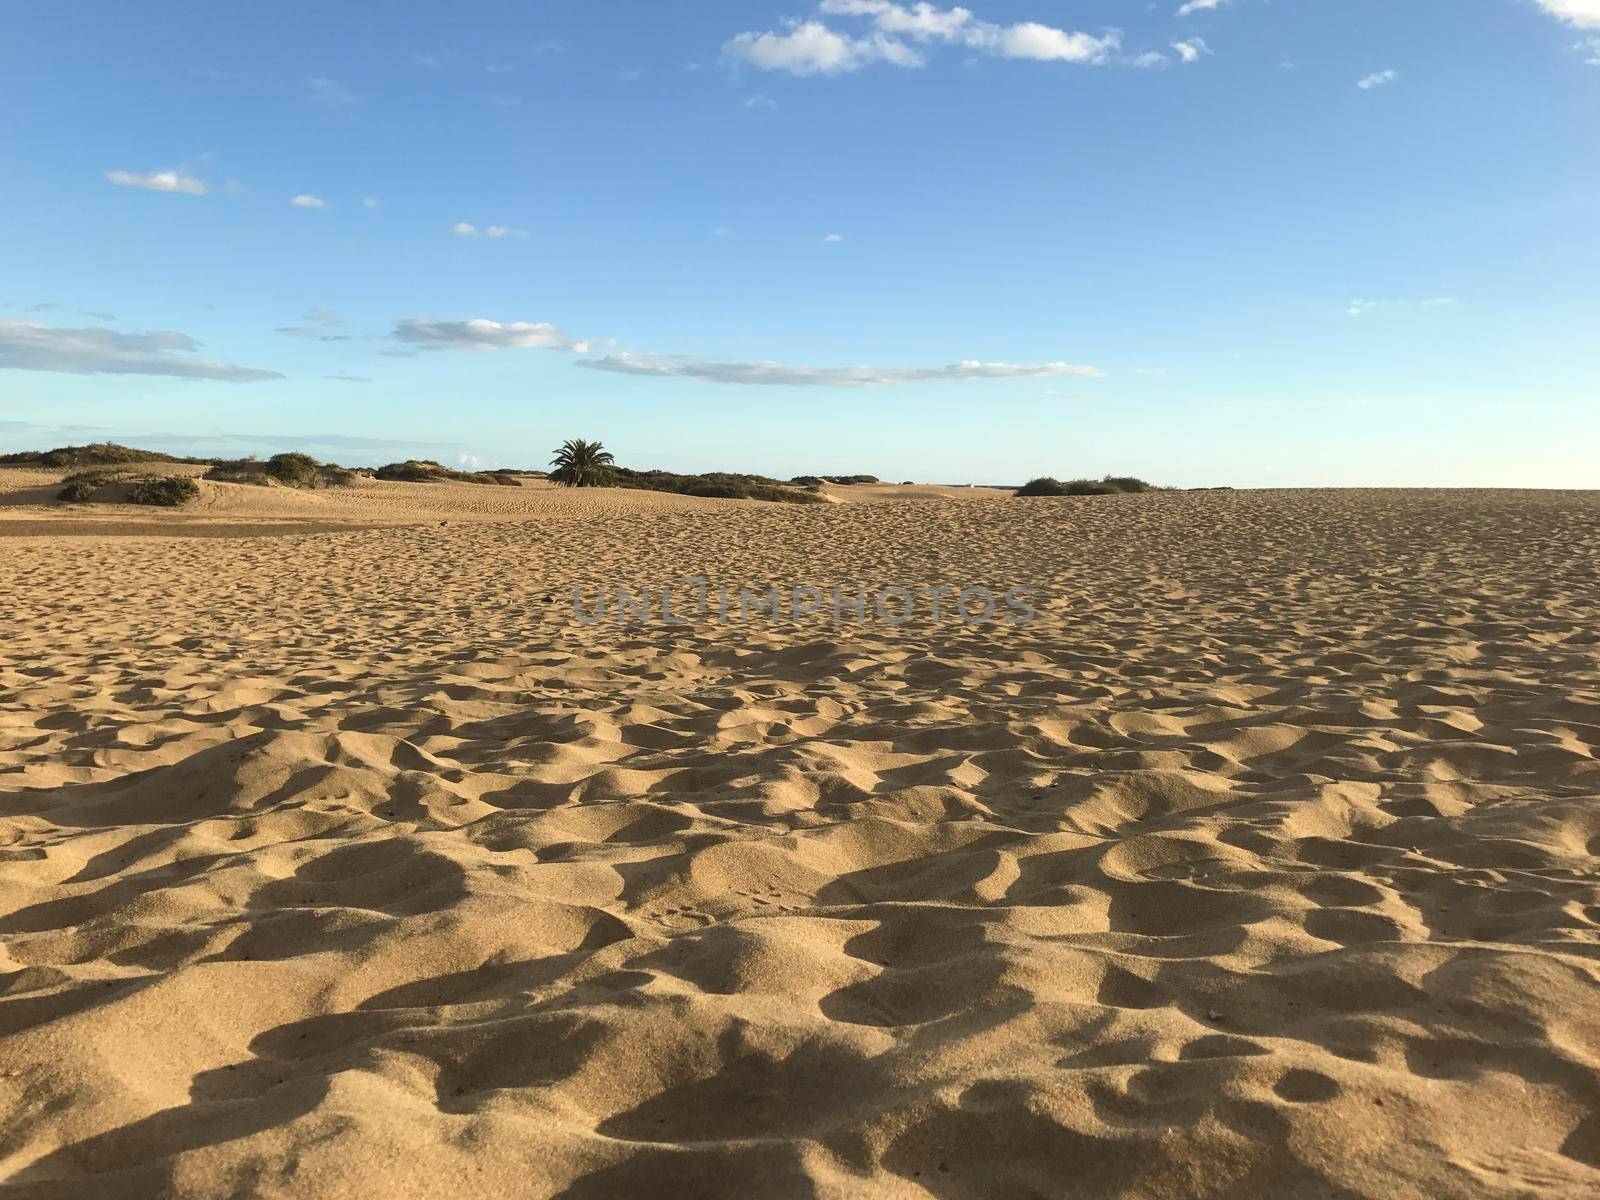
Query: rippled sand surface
[338, 860]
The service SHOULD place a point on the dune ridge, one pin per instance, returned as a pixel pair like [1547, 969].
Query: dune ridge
[1263, 862]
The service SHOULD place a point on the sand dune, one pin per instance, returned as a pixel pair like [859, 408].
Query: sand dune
[346, 862]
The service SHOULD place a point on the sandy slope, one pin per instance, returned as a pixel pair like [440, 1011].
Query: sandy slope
[1263, 863]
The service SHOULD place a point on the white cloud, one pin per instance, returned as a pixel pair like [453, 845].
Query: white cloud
[465, 230]
[772, 374]
[1043, 43]
[1585, 14]
[812, 48]
[1377, 79]
[1194, 6]
[158, 181]
[834, 237]
[921, 21]
[304, 201]
[761, 101]
[29, 347]
[371, 202]
[1192, 50]
[1591, 48]
[429, 333]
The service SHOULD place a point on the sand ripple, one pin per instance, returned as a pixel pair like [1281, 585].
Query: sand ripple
[1263, 864]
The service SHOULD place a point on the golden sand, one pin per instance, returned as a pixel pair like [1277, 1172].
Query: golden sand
[340, 860]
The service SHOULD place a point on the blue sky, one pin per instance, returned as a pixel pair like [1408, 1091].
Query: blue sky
[1259, 242]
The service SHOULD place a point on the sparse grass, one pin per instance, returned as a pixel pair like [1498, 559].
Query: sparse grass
[425, 470]
[1111, 485]
[168, 492]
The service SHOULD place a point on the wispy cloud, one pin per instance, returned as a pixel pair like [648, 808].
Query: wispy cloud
[348, 378]
[1194, 6]
[1192, 50]
[812, 47]
[770, 374]
[371, 202]
[430, 333]
[1377, 79]
[158, 181]
[1362, 308]
[318, 324]
[326, 91]
[464, 230]
[1585, 14]
[305, 201]
[1590, 49]
[93, 351]
[833, 237]
[761, 101]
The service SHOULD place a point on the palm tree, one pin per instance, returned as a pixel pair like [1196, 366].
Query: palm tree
[582, 464]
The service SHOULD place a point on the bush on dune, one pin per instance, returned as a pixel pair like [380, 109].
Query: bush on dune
[1111, 485]
[94, 454]
[303, 471]
[77, 491]
[286, 470]
[168, 492]
[425, 470]
[127, 485]
[716, 485]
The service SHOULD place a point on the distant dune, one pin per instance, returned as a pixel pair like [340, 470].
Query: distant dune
[347, 862]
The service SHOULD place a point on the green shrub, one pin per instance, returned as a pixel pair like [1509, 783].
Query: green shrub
[77, 491]
[166, 493]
